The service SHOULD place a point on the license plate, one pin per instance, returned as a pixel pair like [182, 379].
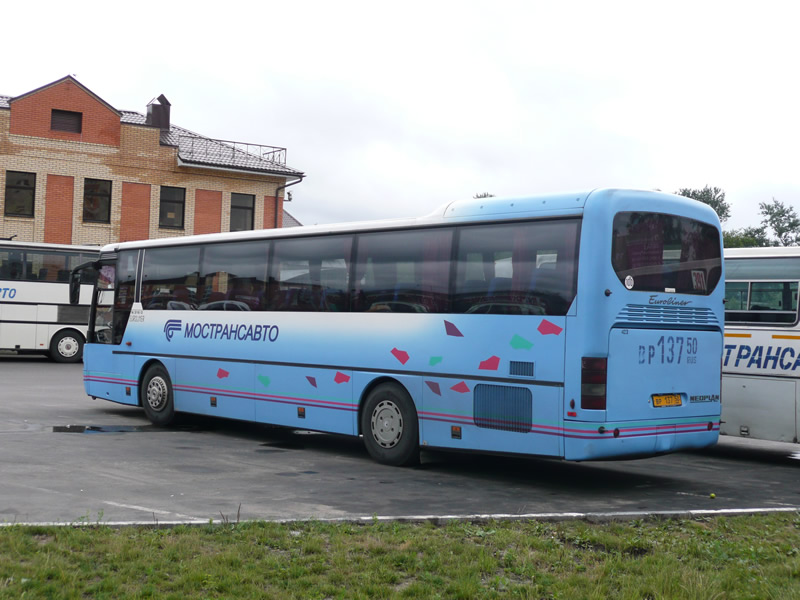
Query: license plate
[667, 400]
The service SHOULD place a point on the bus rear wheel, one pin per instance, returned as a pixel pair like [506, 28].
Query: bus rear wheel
[390, 427]
[66, 346]
[156, 395]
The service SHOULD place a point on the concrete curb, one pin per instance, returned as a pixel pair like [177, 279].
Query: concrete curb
[594, 517]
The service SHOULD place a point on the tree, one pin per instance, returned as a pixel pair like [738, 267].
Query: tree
[748, 237]
[713, 196]
[782, 220]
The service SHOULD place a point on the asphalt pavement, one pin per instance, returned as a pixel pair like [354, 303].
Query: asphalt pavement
[69, 459]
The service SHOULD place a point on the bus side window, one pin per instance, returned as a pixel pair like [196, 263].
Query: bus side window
[736, 295]
[170, 278]
[47, 266]
[767, 302]
[310, 275]
[768, 295]
[517, 269]
[10, 265]
[233, 276]
[403, 271]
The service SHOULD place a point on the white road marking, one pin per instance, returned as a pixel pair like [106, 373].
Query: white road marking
[154, 511]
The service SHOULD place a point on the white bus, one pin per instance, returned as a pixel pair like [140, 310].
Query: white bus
[35, 310]
[761, 357]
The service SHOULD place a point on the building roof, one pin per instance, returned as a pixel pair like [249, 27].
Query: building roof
[70, 79]
[199, 151]
[289, 220]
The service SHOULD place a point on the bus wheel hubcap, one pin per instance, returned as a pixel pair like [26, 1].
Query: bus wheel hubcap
[157, 393]
[387, 424]
[68, 347]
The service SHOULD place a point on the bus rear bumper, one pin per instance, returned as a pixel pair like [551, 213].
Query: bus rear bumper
[634, 440]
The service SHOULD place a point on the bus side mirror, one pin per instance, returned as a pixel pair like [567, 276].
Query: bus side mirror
[74, 287]
[77, 276]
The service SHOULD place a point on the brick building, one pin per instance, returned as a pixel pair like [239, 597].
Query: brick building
[75, 170]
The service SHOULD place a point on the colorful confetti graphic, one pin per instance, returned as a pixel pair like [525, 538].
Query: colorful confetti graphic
[434, 387]
[520, 343]
[490, 364]
[548, 328]
[452, 330]
[400, 355]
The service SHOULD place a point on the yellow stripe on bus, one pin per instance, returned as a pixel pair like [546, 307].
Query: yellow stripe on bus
[742, 335]
[786, 337]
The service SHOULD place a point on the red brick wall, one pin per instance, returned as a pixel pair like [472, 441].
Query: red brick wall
[207, 211]
[58, 209]
[269, 213]
[31, 115]
[135, 219]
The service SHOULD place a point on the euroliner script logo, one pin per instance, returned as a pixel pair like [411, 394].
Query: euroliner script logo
[171, 327]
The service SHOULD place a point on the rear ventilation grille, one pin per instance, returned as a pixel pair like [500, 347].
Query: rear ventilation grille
[667, 315]
[521, 369]
[503, 407]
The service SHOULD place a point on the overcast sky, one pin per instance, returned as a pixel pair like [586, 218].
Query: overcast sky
[394, 108]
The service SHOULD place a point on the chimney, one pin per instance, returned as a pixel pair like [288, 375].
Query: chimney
[158, 112]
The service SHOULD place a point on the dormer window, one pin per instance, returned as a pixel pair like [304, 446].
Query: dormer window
[66, 120]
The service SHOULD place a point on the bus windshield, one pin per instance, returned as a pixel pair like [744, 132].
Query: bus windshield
[666, 253]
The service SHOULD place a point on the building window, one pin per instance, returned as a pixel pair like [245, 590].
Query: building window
[66, 120]
[97, 200]
[20, 192]
[242, 208]
[173, 200]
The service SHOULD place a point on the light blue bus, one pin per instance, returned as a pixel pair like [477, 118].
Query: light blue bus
[583, 326]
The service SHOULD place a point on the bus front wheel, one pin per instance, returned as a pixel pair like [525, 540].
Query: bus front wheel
[156, 395]
[66, 346]
[390, 427]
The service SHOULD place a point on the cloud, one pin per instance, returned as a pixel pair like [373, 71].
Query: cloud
[393, 109]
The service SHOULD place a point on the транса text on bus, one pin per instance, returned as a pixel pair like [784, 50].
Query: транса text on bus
[761, 356]
[35, 310]
[583, 326]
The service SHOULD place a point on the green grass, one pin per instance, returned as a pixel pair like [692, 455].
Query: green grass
[716, 558]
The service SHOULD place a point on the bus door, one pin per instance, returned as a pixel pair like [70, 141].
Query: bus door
[108, 320]
[17, 309]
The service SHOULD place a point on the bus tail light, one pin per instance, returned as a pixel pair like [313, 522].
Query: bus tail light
[593, 383]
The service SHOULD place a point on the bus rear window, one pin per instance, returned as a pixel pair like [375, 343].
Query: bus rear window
[656, 252]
